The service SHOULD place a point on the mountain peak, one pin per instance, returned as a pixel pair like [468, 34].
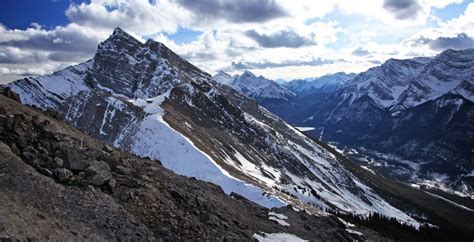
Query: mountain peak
[121, 34]
[120, 40]
[222, 73]
[257, 87]
[223, 77]
[119, 31]
[248, 73]
[465, 56]
[129, 67]
[328, 83]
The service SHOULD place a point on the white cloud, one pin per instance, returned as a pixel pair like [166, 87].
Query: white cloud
[140, 16]
[313, 45]
[37, 51]
[455, 29]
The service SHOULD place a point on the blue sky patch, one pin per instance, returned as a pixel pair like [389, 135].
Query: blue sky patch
[19, 14]
[184, 36]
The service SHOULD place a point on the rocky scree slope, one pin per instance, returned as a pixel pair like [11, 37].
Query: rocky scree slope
[144, 99]
[58, 183]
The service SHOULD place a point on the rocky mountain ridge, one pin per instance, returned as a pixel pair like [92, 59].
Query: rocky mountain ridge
[58, 183]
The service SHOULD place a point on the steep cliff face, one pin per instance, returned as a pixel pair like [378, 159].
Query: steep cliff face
[144, 99]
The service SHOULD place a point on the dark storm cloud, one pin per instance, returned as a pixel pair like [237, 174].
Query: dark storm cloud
[244, 11]
[11, 56]
[283, 38]
[200, 56]
[263, 65]
[360, 52]
[55, 41]
[68, 56]
[460, 41]
[402, 9]
[60, 44]
[377, 62]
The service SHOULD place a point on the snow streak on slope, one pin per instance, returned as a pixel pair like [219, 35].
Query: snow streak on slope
[48, 91]
[327, 183]
[157, 140]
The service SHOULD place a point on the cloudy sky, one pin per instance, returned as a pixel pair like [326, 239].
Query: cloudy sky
[276, 38]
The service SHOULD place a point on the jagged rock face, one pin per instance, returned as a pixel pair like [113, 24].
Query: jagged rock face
[145, 99]
[418, 109]
[126, 66]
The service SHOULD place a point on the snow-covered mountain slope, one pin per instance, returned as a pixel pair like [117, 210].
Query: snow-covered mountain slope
[418, 109]
[325, 84]
[145, 99]
[449, 72]
[384, 84]
[402, 84]
[255, 87]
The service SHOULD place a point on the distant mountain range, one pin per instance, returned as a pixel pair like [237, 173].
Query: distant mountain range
[325, 84]
[261, 88]
[258, 88]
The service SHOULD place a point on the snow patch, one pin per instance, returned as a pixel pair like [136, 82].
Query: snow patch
[279, 218]
[451, 202]
[347, 224]
[277, 237]
[304, 129]
[354, 232]
[368, 169]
